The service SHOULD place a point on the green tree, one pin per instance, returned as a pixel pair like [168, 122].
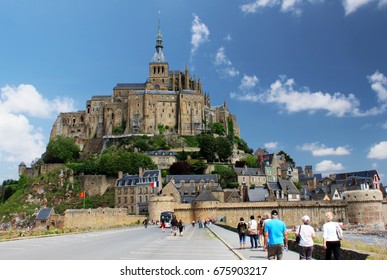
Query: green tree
[251, 161]
[230, 132]
[218, 128]
[198, 166]
[131, 162]
[180, 168]
[61, 150]
[242, 145]
[227, 175]
[207, 147]
[223, 148]
[108, 164]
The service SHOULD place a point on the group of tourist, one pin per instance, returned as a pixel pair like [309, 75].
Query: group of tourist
[271, 233]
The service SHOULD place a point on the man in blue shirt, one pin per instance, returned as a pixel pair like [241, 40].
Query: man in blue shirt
[275, 237]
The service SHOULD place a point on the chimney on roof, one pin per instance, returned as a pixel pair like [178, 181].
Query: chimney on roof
[140, 171]
[120, 174]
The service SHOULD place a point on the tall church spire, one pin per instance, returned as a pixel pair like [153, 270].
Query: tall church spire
[159, 41]
[159, 57]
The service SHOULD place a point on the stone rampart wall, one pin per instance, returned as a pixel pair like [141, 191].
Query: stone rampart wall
[100, 218]
[384, 209]
[96, 184]
[290, 212]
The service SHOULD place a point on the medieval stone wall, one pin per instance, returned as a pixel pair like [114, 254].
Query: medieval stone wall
[96, 184]
[384, 209]
[100, 218]
[290, 212]
[365, 208]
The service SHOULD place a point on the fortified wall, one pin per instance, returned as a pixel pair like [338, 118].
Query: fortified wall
[365, 208]
[96, 184]
[100, 218]
[358, 207]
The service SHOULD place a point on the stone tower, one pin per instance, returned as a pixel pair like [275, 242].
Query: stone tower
[365, 208]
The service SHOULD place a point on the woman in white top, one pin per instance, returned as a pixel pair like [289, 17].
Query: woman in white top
[307, 234]
[253, 232]
[331, 242]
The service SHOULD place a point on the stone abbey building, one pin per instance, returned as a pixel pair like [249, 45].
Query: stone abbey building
[173, 100]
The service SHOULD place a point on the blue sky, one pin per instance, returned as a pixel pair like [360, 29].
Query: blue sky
[305, 76]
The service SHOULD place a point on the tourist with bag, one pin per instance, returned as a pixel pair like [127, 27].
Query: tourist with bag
[253, 232]
[332, 234]
[242, 230]
[305, 235]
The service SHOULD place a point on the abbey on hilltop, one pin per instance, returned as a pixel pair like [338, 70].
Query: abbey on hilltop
[169, 100]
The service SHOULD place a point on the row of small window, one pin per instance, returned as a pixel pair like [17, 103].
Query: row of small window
[192, 183]
[125, 199]
[254, 179]
[141, 190]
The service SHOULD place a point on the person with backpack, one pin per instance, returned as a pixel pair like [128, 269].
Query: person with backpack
[242, 230]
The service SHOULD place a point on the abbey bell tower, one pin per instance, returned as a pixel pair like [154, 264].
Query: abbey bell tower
[158, 67]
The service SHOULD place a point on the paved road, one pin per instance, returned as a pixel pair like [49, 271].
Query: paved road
[213, 243]
[231, 240]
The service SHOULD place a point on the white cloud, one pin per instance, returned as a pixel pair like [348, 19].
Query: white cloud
[25, 99]
[318, 150]
[293, 6]
[292, 100]
[228, 37]
[224, 65]
[200, 34]
[283, 93]
[378, 151]
[351, 6]
[248, 82]
[328, 166]
[20, 140]
[271, 145]
[257, 4]
[379, 85]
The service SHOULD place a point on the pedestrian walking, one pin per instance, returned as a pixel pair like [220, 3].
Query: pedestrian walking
[307, 235]
[331, 240]
[145, 223]
[180, 226]
[253, 232]
[174, 223]
[275, 237]
[242, 229]
[162, 224]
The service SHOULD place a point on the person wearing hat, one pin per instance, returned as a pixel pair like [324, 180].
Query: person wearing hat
[307, 235]
[275, 236]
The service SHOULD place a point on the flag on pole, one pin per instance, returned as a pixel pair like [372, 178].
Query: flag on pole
[82, 195]
[154, 184]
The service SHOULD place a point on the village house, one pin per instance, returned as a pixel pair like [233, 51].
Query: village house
[133, 191]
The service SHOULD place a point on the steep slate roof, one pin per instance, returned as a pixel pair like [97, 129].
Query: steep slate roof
[274, 185]
[133, 180]
[130, 86]
[230, 194]
[258, 194]
[44, 213]
[288, 186]
[248, 171]
[364, 174]
[206, 195]
[195, 177]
